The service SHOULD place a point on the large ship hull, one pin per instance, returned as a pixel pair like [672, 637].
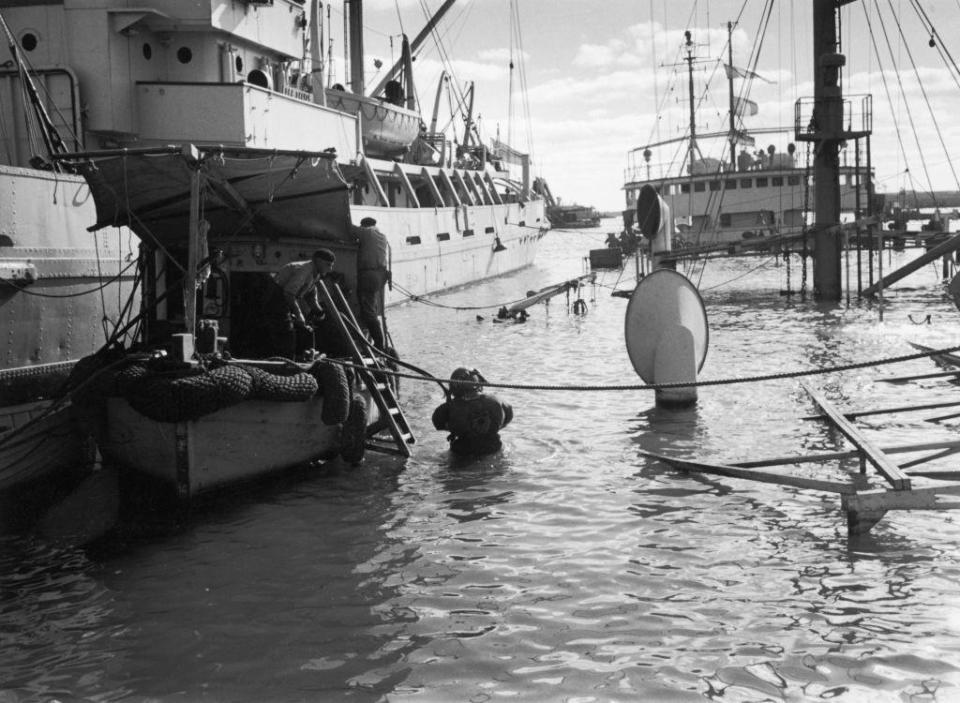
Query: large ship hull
[446, 248]
[62, 290]
[166, 75]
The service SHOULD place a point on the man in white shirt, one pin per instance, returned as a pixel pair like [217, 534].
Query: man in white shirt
[296, 287]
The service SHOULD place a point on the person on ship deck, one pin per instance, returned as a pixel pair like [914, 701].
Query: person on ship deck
[295, 288]
[373, 274]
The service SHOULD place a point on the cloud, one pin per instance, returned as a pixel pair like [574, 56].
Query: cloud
[599, 56]
[502, 56]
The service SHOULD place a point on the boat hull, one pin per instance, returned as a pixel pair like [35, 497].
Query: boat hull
[62, 288]
[437, 249]
[237, 443]
[39, 440]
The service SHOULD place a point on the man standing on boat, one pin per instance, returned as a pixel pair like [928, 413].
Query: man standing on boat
[373, 273]
[474, 420]
[296, 286]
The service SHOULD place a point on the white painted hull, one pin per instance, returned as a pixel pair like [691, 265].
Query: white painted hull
[431, 253]
[734, 207]
[240, 442]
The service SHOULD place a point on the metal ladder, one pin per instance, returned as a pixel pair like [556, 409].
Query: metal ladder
[371, 372]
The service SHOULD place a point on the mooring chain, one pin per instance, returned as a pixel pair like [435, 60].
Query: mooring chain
[657, 386]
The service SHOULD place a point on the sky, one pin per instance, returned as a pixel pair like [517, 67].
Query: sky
[603, 78]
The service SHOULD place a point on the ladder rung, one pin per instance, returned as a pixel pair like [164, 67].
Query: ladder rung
[387, 449]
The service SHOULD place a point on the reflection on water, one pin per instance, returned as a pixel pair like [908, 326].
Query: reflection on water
[567, 567]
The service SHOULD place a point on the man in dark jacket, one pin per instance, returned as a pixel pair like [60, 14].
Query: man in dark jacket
[473, 419]
[373, 273]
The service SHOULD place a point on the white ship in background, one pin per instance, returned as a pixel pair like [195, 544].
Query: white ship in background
[728, 196]
[119, 77]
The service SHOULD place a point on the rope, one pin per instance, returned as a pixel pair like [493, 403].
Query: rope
[759, 266]
[695, 384]
[27, 291]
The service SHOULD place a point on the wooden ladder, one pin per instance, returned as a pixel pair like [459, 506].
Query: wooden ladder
[371, 371]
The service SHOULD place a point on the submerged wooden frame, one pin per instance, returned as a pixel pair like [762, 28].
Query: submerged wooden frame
[863, 508]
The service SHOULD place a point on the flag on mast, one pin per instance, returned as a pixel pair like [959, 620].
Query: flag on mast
[734, 72]
[744, 107]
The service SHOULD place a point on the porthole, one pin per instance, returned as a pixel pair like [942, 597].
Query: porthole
[29, 41]
[147, 51]
[184, 54]
[238, 62]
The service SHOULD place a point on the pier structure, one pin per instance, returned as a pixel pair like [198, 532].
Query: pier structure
[822, 121]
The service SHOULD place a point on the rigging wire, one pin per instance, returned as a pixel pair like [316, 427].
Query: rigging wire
[939, 44]
[886, 85]
[926, 99]
[906, 103]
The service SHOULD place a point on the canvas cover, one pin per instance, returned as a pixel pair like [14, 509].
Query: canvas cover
[244, 193]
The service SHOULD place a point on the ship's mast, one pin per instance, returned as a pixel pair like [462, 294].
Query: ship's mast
[733, 123]
[355, 24]
[693, 121]
[828, 120]
[414, 45]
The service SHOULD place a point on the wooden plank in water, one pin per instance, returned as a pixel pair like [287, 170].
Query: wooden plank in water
[946, 357]
[845, 454]
[899, 480]
[940, 497]
[922, 376]
[754, 475]
[933, 254]
[883, 411]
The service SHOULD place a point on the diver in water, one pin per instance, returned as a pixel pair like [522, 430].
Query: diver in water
[472, 418]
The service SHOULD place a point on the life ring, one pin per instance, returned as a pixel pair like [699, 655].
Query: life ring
[335, 391]
[353, 432]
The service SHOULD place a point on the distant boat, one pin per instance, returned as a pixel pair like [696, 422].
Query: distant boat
[735, 197]
[563, 216]
[573, 216]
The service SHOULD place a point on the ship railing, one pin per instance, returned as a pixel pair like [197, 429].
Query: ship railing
[298, 94]
[811, 117]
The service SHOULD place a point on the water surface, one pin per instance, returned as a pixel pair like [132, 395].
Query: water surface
[569, 567]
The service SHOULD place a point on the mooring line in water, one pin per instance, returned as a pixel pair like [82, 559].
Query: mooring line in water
[657, 386]
[414, 298]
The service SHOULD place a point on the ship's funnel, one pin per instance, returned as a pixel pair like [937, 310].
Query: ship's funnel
[653, 219]
[667, 336]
